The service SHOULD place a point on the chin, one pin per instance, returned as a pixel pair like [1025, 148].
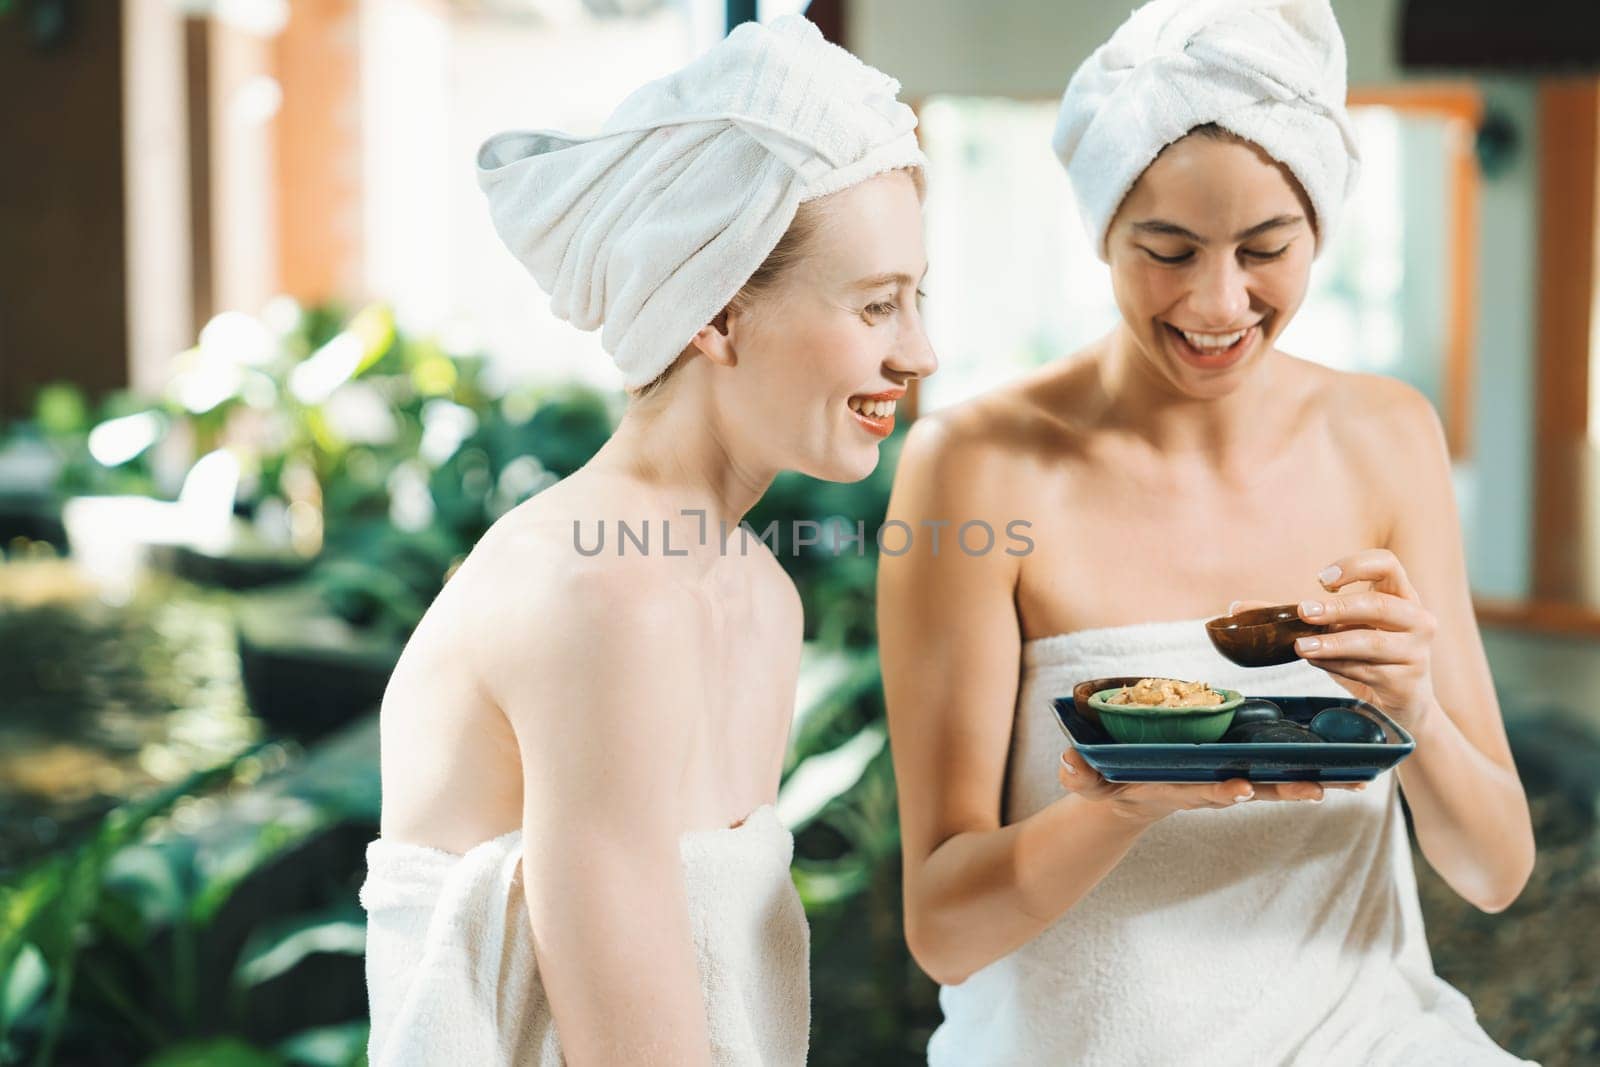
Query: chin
[843, 468]
[1209, 388]
[1201, 384]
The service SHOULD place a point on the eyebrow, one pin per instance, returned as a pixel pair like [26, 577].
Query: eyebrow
[1172, 229]
[878, 281]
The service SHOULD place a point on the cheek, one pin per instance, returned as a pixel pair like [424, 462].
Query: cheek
[1142, 290]
[838, 357]
[1285, 285]
[808, 362]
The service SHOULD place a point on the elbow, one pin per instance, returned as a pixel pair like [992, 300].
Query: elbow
[1495, 905]
[1498, 898]
[934, 966]
[931, 952]
[1503, 897]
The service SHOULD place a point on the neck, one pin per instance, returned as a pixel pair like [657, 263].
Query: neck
[675, 448]
[1223, 432]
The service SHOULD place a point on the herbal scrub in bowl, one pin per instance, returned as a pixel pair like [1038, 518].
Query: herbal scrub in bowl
[1165, 710]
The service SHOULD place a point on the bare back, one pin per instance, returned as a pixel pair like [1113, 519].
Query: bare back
[452, 766]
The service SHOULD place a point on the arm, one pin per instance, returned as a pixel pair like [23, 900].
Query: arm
[950, 644]
[603, 752]
[1467, 802]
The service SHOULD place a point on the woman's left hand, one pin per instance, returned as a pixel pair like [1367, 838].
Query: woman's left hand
[1380, 647]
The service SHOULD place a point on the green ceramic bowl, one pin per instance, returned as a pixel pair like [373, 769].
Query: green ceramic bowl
[1132, 724]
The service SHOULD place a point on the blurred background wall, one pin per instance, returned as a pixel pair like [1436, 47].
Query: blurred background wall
[200, 157]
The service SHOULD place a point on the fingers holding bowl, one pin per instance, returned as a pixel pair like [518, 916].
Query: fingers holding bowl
[1373, 611]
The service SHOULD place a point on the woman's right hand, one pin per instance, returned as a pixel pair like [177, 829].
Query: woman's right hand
[1146, 802]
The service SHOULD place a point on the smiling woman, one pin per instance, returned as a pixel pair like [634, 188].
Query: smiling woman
[565, 728]
[1070, 919]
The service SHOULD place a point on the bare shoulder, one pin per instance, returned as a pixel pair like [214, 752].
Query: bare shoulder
[1380, 420]
[1391, 439]
[539, 616]
[1003, 434]
[758, 579]
[597, 664]
[778, 592]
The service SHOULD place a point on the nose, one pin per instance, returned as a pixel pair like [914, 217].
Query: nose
[1220, 297]
[914, 356]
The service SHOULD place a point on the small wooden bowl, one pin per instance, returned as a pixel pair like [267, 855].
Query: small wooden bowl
[1084, 690]
[1261, 637]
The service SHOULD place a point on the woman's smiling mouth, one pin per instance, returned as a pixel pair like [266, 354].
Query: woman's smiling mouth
[1212, 351]
[875, 411]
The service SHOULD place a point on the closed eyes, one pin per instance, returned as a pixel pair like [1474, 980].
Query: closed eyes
[1259, 255]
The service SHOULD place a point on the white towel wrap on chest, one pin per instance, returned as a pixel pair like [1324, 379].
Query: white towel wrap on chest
[1271, 933]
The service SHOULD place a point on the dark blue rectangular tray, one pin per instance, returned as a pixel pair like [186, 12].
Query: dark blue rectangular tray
[1217, 761]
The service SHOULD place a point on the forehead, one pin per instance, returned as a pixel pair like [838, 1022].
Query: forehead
[1207, 185]
[872, 227]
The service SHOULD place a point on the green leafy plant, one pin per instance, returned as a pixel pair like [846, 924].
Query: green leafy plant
[130, 948]
[43, 912]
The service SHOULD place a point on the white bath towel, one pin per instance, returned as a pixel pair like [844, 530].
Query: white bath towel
[452, 977]
[1268, 933]
[651, 227]
[1271, 71]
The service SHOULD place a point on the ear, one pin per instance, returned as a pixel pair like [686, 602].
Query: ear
[715, 340]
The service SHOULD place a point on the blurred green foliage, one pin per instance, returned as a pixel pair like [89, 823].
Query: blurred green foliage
[135, 947]
[410, 454]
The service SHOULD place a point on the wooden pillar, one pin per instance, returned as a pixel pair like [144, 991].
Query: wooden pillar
[63, 272]
[318, 148]
[202, 252]
[160, 238]
[1569, 160]
[830, 17]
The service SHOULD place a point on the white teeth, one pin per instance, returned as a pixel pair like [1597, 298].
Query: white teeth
[1213, 340]
[875, 408]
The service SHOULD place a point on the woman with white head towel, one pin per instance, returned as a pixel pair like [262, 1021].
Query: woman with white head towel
[1175, 465]
[580, 860]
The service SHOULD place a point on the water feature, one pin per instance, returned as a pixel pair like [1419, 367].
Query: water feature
[101, 702]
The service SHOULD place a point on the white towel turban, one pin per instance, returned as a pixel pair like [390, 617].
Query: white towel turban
[652, 226]
[1271, 71]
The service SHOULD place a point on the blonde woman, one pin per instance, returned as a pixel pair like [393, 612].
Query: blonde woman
[580, 860]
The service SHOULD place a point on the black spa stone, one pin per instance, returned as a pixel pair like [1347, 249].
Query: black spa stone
[1271, 732]
[1255, 710]
[1346, 727]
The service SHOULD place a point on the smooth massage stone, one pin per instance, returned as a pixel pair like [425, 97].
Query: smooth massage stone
[1346, 727]
[1255, 710]
[1272, 732]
